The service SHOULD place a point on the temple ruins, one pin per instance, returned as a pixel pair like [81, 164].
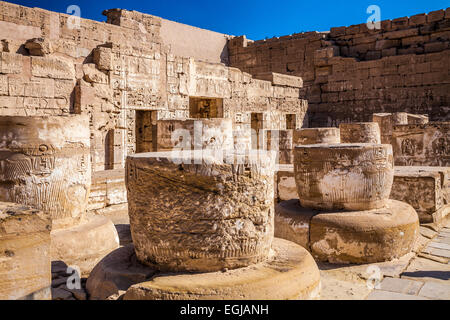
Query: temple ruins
[145, 159]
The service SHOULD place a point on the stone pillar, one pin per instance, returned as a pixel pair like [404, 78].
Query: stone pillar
[281, 142]
[387, 121]
[363, 132]
[316, 136]
[45, 164]
[25, 270]
[205, 215]
[344, 176]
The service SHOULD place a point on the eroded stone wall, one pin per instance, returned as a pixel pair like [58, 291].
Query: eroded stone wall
[351, 72]
[111, 70]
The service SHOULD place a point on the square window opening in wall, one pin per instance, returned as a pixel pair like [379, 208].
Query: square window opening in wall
[205, 108]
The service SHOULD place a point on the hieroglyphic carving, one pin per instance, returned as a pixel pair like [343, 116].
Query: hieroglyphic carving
[343, 176]
[47, 165]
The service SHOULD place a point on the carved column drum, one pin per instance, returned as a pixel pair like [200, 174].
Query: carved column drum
[344, 176]
[362, 132]
[25, 270]
[316, 136]
[204, 215]
[45, 164]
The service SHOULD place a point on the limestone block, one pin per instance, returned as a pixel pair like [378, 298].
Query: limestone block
[316, 136]
[387, 121]
[364, 132]
[292, 222]
[286, 186]
[418, 119]
[24, 253]
[92, 74]
[204, 215]
[343, 176]
[364, 236]
[3, 84]
[11, 62]
[85, 244]
[290, 274]
[40, 88]
[189, 134]
[103, 58]
[116, 272]
[39, 46]
[279, 79]
[281, 142]
[116, 191]
[422, 144]
[52, 67]
[426, 189]
[45, 163]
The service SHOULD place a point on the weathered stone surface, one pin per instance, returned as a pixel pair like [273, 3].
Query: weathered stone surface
[363, 132]
[404, 286]
[343, 176]
[281, 142]
[24, 253]
[427, 189]
[388, 296]
[290, 273]
[117, 272]
[86, 244]
[52, 67]
[435, 291]
[387, 121]
[39, 46]
[292, 222]
[194, 134]
[286, 187]
[281, 79]
[217, 215]
[355, 237]
[422, 144]
[418, 119]
[45, 163]
[316, 136]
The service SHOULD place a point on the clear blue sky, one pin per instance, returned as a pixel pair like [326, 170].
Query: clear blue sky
[257, 19]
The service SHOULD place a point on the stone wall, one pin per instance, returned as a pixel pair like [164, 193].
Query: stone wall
[351, 72]
[188, 41]
[111, 70]
[422, 144]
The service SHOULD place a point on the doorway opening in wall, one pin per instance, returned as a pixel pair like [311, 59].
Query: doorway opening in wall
[205, 108]
[146, 130]
[291, 122]
[257, 126]
[109, 150]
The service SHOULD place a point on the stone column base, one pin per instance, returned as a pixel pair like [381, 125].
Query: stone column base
[290, 273]
[84, 245]
[350, 237]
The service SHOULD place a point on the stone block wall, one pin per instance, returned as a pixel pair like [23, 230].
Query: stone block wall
[422, 144]
[111, 70]
[351, 72]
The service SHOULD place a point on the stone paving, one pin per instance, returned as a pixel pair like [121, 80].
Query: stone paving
[421, 275]
[427, 275]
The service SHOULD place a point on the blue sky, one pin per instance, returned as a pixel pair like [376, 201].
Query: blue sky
[256, 19]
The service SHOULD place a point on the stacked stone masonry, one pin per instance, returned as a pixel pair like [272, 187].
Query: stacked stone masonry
[119, 71]
[351, 72]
